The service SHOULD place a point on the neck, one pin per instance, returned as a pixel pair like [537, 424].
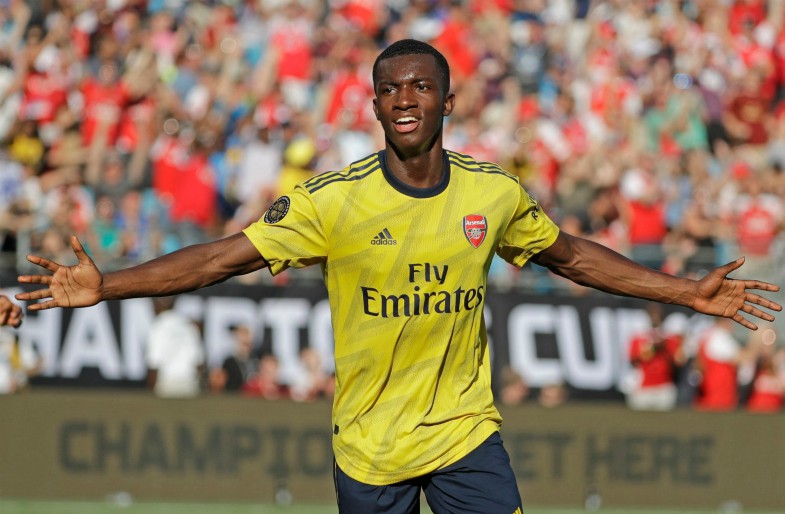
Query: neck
[421, 170]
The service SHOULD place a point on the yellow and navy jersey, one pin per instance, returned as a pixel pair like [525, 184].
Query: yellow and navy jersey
[406, 272]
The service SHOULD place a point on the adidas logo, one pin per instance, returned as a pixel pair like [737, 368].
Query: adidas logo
[384, 238]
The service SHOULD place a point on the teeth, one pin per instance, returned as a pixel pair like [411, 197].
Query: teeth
[407, 119]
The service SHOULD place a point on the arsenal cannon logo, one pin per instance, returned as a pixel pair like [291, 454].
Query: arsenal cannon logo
[475, 227]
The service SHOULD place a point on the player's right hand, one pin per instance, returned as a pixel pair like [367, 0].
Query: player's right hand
[67, 286]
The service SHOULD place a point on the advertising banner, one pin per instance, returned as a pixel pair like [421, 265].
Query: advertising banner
[90, 445]
[579, 342]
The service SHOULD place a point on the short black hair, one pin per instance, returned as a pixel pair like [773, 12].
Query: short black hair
[414, 47]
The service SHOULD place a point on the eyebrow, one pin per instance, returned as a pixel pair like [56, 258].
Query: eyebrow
[411, 81]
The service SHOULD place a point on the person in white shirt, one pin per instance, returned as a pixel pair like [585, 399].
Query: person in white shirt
[175, 356]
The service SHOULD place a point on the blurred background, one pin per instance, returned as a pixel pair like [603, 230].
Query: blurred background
[656, 128]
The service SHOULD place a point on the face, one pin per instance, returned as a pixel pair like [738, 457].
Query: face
[409, 103]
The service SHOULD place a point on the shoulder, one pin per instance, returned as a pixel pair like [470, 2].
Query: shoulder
[355, 171]
[464, 162]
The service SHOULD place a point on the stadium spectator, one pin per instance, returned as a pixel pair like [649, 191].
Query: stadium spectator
[238, 367]
[194, 197]
[174, 353]
[767, 388]
[265, 381]
[548, 88]
[255, 182]
[10, 313]
[313, 382]
[299, 160]
[674, 121]
[105, 238]
[50, 50]
[399, 364]
[643, 212]
[759, 219]
[656, 356]
[26, 146]
[348, 93]
[513, 389]
[142, 223]
[568, 96]
[718, 358]
[552, 395]
[748, 117]
[19, 361]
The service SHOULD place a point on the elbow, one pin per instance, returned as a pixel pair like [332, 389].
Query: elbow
[563, 257]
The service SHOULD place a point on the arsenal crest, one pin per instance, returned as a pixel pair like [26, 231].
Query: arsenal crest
[475, 227]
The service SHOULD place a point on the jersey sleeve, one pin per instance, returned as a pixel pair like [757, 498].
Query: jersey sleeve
[290, 234]
[529, 232]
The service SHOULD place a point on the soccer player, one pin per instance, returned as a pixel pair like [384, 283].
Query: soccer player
[10, 313]
[405, 238]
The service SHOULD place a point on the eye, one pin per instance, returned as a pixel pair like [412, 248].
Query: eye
[423, 87]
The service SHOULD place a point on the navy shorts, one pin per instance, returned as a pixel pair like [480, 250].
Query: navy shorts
[481, 483]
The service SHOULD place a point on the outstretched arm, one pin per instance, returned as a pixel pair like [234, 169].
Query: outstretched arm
[185, 270]
[591, 264]
[10, 313]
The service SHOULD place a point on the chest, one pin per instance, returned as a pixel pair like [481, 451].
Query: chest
[380, 229]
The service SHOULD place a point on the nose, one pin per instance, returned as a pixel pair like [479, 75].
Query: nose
[405, 99]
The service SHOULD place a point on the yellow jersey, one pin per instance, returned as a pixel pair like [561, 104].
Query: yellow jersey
[406, 273]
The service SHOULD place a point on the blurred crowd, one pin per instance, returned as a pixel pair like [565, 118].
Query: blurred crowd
[697, 363]
[703, 364]
[177, 366]
[654, 127]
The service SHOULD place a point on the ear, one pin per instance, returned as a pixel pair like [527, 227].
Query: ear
[375, 109]
[449, 104]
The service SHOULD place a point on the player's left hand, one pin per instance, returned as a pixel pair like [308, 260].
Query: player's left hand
[718, 295]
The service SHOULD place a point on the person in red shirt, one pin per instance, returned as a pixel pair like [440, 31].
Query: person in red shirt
[759, 218]
[44, 84]
[364, 15]
[656, 356]
[745, 12]
[168, 156]
[136, 125]
[350, 95]
[748, 114]
[43, 93]
[110, 90]
[717, 362]
[184, 179]
[455, 41]
[105, 97]
[643, 211]
[265, 382]
[768, 382]
[195, 196]
[758, 58]
[290, 43]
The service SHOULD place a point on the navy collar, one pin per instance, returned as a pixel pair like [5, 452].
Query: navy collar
[416, 192]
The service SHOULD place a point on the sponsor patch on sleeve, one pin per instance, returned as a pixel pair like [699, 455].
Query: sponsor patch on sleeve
[277, 210]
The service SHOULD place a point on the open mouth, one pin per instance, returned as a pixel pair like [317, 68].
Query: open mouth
[406, 124]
